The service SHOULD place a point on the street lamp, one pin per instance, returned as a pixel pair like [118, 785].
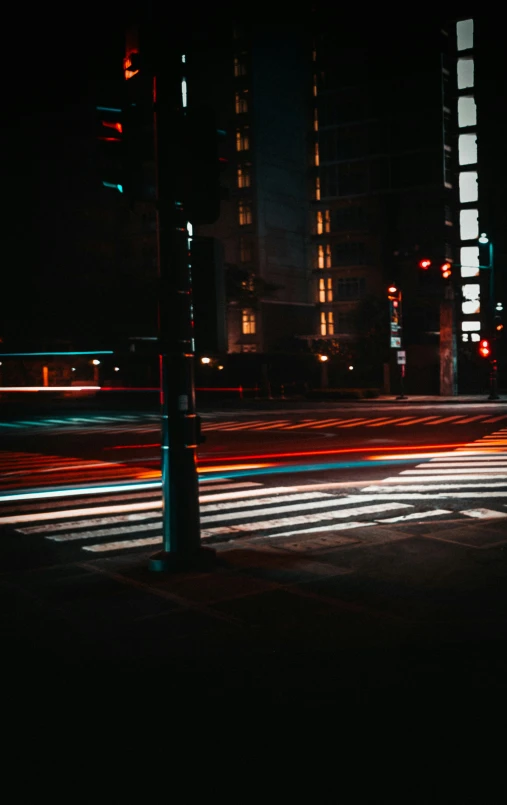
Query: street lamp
[323, 373]
[493, 376]
[96, 364]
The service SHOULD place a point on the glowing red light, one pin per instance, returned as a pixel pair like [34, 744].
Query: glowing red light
[484, 349]
[445, 268]
[424, 263]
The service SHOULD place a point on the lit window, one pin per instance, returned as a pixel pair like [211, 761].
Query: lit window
[465, 34]
[471, 326]
[239, 67]
[245, 250]
[248, 322]
[469, 261]
[241, 103]
[471, 295]
[468, 188]
[464, 336]
[315, 120]
[467, 147]
[314, 55]
[244, 213]
[329, 289]
[242, 140]
[475, 337]
[326, 322]
[315, 86]
[324, 255]
[327, 221]
[469, 224]
[467, 111]
[320, 225]
[317, 188]
[244, 176]
[316, 155]
[465, 73]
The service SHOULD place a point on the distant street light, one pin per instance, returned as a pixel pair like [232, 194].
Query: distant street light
[205, 360]
[324, 379]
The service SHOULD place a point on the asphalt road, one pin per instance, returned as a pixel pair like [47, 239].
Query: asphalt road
[88, 484]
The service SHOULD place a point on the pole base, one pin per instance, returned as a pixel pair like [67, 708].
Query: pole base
[167, 562]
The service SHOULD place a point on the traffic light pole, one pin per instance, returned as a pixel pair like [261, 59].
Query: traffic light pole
[179, 422]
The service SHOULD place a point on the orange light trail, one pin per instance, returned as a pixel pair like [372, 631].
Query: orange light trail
[375, 449]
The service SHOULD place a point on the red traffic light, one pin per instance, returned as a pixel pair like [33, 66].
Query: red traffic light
[445, 268]
[424, 263]
[484, 349]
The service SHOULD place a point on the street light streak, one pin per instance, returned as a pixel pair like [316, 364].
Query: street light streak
[329, 452]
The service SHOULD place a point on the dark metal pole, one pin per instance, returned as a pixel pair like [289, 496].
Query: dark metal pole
[179, 425]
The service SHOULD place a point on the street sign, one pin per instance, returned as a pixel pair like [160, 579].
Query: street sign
[401, 357]
[396, 341]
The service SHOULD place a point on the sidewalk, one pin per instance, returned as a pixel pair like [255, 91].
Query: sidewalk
[373, 609]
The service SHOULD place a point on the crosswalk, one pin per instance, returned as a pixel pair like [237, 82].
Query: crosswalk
[150, 423]
[86, 423]
[333, 423]
[447, 485]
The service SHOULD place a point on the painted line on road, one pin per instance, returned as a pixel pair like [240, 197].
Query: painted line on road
[484, 514]
[466, 471]
[117, 546]
[415, 516]
[335, 527]
[301, 519]
[315, 504]
[411, 487]
[417, 420]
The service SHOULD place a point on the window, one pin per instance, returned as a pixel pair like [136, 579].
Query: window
[468, 189]
[324, 255]
[245, 250]
[244, 176]
[471, 326]
[314, 86]
[469, 224]
[316, 155]
[469, 261]
[327, 221]
[244, 213]
[471, 296]
[315, 120]
[317, 188]
[465, 73]
[351, 287]
[248, 322]
[241, 102]
[239, 66]
[465, 34]
[320, 225]
[242, 139]
[326, 322]
[467, 111]
[325, 290]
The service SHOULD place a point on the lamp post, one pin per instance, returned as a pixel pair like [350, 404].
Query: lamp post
[323, 373]
[493, 375]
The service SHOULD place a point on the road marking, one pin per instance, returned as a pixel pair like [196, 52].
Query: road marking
[265, 501]
[335, 527]
[485, 464]
[441, 421]
[417, 419]
[301, 519]
[484, 514]
[411, 487]
[316, 504]
[116, 546]
[88, 523]
[328, 423]
[470, 419]
[244, 425]
[304, 424]
[361, 421]
[272, 426]
[496, 418]
[72, 536]
[396, 420]
[383, 420]
[415, 516]
[466, 471]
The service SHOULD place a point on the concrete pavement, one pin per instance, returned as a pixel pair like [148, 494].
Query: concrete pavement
[392, 608]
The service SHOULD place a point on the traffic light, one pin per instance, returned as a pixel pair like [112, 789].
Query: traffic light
[393, 293]
[425, 264]
[484, 348]
[110, 126]
[446, 269]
